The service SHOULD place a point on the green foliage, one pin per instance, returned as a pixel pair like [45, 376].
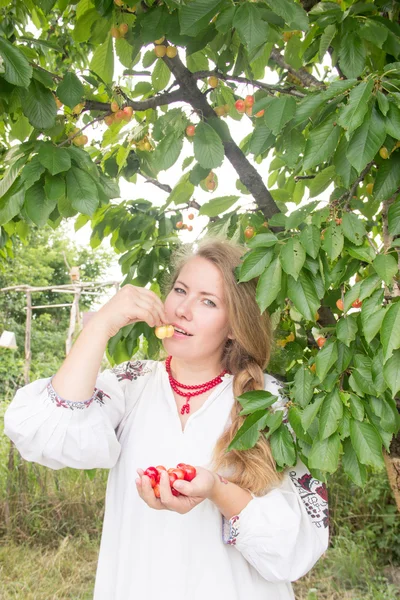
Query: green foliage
[335, 124]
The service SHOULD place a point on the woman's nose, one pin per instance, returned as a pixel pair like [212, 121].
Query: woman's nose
[184, 310]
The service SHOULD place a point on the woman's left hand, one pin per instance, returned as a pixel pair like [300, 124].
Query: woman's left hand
[192, 493]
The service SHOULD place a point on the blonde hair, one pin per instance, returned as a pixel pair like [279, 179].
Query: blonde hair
[246, 356]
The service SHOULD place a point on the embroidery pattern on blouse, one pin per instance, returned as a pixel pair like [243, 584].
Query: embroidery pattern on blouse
[98, 396]
[314, 496]
[130, 370]
[230, 530]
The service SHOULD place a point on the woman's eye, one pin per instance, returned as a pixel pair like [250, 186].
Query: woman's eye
[212, 304]
[177, 289]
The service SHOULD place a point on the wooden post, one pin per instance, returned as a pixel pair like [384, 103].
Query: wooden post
[74, 317]
[28, 337]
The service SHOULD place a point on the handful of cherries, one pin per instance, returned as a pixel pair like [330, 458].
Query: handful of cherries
[181, 471]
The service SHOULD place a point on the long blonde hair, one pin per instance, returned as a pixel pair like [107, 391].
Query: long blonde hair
[246, 356]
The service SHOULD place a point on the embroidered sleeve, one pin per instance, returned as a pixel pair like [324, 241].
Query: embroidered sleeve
[314, 496]
[230, 529]
[98, 396]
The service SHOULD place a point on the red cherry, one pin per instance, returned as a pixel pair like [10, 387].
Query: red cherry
[157, 491]
[172, 477]
[180, 473]
[153, 474]
[240, 106]
[190, 472]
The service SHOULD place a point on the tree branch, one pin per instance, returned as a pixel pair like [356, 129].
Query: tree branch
[248, 175]
[69, 139]
[163, 186]
[53, 75]
[305, 77]
[259, 84]
[140, 105]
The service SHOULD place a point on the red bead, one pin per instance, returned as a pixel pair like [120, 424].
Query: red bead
[201, 388]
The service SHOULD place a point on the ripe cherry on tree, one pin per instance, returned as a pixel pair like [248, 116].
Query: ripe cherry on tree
[321, 341]
[190, 130]
[160, 51]
[240, 106]
[171, 51]
[339, 304]
[249, 232]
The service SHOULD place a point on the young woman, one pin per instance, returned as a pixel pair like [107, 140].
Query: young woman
[239, 529]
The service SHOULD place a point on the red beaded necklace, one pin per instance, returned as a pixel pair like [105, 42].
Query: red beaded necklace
[203, 387]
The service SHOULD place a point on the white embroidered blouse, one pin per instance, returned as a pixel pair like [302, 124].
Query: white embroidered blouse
[132, 422]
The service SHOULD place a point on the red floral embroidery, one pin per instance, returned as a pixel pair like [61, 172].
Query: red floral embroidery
[130, 370]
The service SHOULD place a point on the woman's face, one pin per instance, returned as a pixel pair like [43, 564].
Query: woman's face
[196, 304]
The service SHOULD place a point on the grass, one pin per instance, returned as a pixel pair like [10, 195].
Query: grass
[49, 549]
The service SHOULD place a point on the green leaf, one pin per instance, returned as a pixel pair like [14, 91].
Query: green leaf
[32, 171]
[351, 465]
[255, 401]
[372, 313]
[54, 187]
[392, 121]
[321, 181]
[388, 178]
[181, 193]
[160, 75]
[255, 263]
[333, 241]
[391, 372]
[352, 115]
[330, 414]
[282, 447]
[54, 159]
[366, 443]
[12, 201]
[356, 407]
[321, 143]
[21, 129]
[386, 267]
[248, 434]
[252, 30]
[280, 111]
[197, 174]
[303, 295]
[303, 389]
[343, 168]
[124, 52]
[38, 105]
[11, 174]
[383, 102]
[102, 62]
[269, 285]
[292, 257]
[310, 412]
[346, 329]
[324, 454]
[294, 417]
[373, 32]
[38, 207]
[217, 206]
[366, 140]
[325, 41]
[264, 240]
[208, 147]
[310, 239]
[353, 228]
[394, 218]
[326, 358]
[293, 14]
[167, 151]
[83, 25]
[82, 191]
[352, 55]
[273, 423]
[17, 69]
[196, 16]
[70, 90]
[390, 330]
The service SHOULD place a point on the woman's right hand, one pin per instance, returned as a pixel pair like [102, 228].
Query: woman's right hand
[130, 305]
